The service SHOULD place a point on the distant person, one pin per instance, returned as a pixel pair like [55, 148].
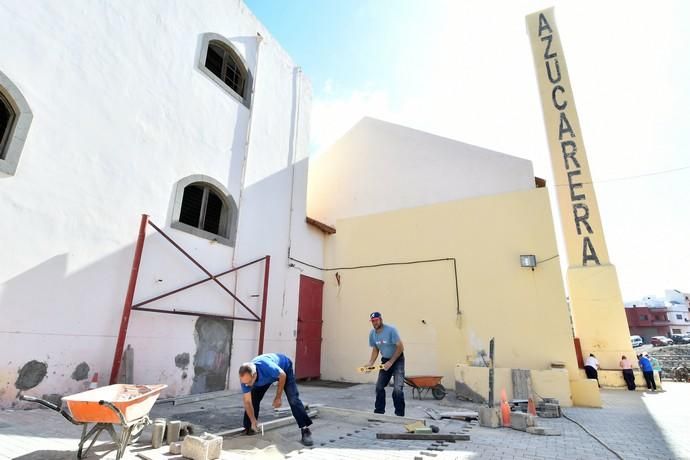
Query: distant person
[656, 365]
[628, 375]
[648, 372]
[384, 338]
[591, 366]
[257, 376]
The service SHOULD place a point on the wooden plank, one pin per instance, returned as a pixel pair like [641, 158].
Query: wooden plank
[522, 383]
[349, 414]
[424, 436]
[460, 414]
[272, 425]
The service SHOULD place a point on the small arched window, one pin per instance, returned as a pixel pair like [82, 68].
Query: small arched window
[15, 119]
[204, 208]
[222, 63]
[7, 117]
[226, 65]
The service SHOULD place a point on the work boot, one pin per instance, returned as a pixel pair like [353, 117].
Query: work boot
[306, 437]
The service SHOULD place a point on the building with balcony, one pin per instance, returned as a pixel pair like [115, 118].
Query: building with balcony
[652, 316]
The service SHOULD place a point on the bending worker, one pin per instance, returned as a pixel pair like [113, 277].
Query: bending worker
[257, 376]
[385, 339]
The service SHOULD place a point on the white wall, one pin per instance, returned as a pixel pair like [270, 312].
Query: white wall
[379, 166]
[121, 113]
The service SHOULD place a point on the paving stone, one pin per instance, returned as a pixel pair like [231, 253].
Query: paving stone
[635, 424]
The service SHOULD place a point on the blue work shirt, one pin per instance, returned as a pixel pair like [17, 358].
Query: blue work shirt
[386, 341]
[268, 369]
[646, 365]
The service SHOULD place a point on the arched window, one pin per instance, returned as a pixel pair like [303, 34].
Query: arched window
[221, 62]
[7, 117]
[204, 208]
[225, 64]
[15, 119]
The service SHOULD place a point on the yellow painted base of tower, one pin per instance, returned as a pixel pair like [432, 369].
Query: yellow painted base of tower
[613, 379]
[598, 314]
[585, 393]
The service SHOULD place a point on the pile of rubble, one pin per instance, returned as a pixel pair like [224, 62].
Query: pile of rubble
[674, 360]
[672, 355]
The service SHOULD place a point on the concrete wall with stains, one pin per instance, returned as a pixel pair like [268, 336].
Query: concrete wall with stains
[121, 114]
[523, 309]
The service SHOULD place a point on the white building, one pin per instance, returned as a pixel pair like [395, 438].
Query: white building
[188, 112]
[379, 166]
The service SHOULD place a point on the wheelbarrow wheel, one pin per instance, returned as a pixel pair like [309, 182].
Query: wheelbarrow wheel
[438, 392]
[136, 432]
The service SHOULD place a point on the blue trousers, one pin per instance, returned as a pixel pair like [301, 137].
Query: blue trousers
[292, 394]
[397, 373]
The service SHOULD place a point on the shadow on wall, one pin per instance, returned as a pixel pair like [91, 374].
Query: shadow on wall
[63, 326]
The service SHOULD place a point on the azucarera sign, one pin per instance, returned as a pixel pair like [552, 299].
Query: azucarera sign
[579, 213]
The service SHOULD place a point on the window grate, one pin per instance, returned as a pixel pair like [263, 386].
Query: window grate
[203, 208]
[214, 209]
[6, 120]
[192, 200]
[226, 65]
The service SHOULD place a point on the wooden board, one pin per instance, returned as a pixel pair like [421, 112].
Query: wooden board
[359, 416]
[424, 436]
[272, 425]
[460, 413]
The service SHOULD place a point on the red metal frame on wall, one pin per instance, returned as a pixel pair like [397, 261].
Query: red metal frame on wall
[129, 298]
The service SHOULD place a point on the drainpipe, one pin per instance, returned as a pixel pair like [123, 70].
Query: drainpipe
[259, 40]
[233, 262]
[291, 162]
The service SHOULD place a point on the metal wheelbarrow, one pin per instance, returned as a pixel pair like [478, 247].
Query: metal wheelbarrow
[426, 383]
[124, 405]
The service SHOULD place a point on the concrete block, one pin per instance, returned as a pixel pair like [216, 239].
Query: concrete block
[543, 431]
[173, 431]
[521, 421]
[489, 417]
[204, 447]
[176, 448]
[157, 434]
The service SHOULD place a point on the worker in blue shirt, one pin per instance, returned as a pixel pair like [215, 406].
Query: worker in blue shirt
[257, 376]
[647, 372]
[384, 338]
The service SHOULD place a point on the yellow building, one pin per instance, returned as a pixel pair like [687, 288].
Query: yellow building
[443, 224]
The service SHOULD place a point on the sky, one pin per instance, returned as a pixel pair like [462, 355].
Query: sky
[464, 70]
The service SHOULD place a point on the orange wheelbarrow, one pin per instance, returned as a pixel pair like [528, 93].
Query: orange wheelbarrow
[426, 383]
[124, 405]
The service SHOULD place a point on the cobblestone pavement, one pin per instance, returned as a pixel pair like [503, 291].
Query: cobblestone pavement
[636, 425]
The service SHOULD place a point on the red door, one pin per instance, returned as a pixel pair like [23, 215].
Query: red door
[309, 320]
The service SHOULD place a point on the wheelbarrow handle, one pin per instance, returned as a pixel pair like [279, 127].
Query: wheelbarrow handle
[40, 401]
[49, 405]
[114, 408]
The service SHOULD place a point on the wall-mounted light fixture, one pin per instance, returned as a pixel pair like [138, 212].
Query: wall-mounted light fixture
[528, 261]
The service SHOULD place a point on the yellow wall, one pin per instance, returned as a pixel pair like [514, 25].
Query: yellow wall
[524, 310]
[549, 383]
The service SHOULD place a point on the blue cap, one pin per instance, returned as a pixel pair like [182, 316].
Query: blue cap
[374, 315]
